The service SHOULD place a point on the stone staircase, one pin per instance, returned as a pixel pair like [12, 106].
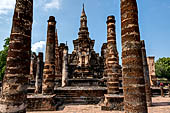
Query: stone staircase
[83, 82]
[80, 95]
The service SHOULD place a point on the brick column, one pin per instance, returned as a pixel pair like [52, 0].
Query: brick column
[57, 69]
[65, 67]
[113, 101]
[14, 94]
[33, 66]
[103, 55]
[133, 77]
[49, 67]
[112, 59]
[39, 73]
[146, 75]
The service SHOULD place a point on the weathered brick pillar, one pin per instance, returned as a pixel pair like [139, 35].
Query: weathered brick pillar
[112, 59]
[65, 67]
[146, 75]
[33, 66]
[133, 77]
[15, 81]
[103, 55]
[39, 73]
[57, 70]
[113, 101]
[49, 67]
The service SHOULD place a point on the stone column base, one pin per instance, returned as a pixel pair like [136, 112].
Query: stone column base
[41, 103]
[113, 103]
[149, 104]
[11, 107]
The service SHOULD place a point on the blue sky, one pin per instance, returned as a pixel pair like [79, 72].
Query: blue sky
[154, 22]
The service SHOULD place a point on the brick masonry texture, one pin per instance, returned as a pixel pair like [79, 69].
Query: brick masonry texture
[15, 81]
[49, 67]
[133, 77]
[146, 75]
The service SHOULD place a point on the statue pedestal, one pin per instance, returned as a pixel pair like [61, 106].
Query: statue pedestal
[113, 103]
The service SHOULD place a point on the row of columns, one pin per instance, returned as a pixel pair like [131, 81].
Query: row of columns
[51, 72]
[15, 82]
[14, 91]
[51, 67]
[136, 83]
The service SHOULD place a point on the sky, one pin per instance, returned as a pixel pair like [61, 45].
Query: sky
[154, 22]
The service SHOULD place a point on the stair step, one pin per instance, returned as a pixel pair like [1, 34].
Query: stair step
[80, 100]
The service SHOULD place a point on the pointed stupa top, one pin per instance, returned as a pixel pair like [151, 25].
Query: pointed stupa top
[83, 24]
[83, 14]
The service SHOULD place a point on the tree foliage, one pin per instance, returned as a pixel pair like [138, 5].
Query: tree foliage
[3, 56]
[162, 67]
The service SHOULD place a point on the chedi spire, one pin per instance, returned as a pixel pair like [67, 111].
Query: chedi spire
[83, 30]
[83, 14]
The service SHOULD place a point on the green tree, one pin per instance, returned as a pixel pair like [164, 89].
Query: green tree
[162, 67]
[3, 56]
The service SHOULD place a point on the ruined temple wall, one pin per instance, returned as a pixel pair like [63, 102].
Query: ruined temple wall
[151, 65]
[146, 75]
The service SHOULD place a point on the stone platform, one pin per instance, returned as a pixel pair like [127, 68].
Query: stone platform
[160, 105]
[41, 103]
[113, 102]
[80, 95]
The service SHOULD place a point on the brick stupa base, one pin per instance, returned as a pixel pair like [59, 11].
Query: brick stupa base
[113, 102]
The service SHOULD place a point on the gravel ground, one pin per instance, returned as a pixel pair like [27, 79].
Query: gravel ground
[160, 105]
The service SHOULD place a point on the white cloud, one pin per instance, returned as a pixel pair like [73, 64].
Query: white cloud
[38, 46]
[53, 4]
[6, 6]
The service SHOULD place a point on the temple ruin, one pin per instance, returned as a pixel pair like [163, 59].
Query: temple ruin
[81, 77]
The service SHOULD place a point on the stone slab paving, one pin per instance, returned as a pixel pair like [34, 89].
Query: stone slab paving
[160, 105]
